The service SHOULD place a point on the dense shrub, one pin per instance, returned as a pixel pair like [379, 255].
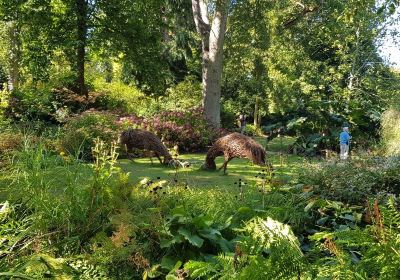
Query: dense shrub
[4, 97]
[122, 97]
[252, 130]
[187, 129]
[353, 181]
[391, 131]
[184, 95]
[58, 104]
[46, 104]
[30, 104]
[79, 132]
[10, 141]
[229, 115]
[311, 145]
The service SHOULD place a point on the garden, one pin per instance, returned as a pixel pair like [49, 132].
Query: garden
[115, 119]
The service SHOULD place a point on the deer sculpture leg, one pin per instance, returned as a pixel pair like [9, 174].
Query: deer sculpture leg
[158, 156]
[127, 152]
[149, 154]
[224, 165]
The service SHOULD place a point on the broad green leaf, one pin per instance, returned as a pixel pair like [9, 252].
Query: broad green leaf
[193, 239]
[179, 211]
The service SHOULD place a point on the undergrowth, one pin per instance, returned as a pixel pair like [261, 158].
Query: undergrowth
[62, 218]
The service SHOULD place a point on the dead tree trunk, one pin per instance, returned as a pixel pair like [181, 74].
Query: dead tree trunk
[212, 38]
[256, 112]
[14, 55]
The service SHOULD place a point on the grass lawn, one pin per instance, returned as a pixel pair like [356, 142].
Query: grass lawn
[286, 167]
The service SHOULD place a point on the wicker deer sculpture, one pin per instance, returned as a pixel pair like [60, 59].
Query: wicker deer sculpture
[145, 140]
[235, 145]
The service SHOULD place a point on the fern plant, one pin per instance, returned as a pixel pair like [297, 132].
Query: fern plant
[266, 249]
[372, 252]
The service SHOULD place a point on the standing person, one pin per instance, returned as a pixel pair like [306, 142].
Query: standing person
[242, 120]
[344, 139]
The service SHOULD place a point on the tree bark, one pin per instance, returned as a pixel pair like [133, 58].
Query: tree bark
[81, 21]
[108, 67]
[212, 38]
[14, 55]
[256, 112]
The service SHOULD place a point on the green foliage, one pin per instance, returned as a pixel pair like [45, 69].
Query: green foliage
[10, 141]
[186, 128]
[87, 221]
[30, 104]
[251, 130]
[391, 131]
[62, 207]
[362, 253]
[15, 223]
[181, 229]
[184, 95]
[80, 132]
[266, 249]
[347, 182]
[4, 121]
[325, 72]
[122, 97]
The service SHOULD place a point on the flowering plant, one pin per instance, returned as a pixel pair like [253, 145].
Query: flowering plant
[187, 129]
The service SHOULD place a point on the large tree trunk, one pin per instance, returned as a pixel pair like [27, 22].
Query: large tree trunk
[14, 55]
[81, 21]
[212, 38]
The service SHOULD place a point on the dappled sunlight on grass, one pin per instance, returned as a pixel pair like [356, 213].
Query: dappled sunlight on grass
[194, 176]
[286, 167]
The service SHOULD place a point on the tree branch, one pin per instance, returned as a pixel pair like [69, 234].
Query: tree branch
[306, 10]
[200, 15]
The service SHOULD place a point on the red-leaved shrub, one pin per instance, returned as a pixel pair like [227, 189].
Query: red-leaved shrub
[187, 129]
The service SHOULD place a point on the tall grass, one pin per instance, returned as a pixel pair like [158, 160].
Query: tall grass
[71, 199]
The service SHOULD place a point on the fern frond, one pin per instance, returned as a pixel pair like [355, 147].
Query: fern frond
[276, 247]
[202, 270]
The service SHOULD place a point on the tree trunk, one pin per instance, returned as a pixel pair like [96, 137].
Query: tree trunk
[166, 37]
[212, 38]
[108, 67]
[81, 21]
[14, 55]
[256, 112]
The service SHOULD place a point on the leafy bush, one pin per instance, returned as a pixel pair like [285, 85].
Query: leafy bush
[187, 129]
[79, 133]
[4, 98]
[121, 97]
[185, 95]
[310, 145]
[48, 184]
[371, 252]
[181, 230]
[266, 249]
[10, 141]
[68, 201]
[251, 130]
[229, 115]
[354, 181]
[30, 104]
[390, 123]
[45, 104]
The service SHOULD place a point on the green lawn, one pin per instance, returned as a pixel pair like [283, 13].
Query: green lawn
[286, 167]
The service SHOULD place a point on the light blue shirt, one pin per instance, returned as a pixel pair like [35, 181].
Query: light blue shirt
[344, 138]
